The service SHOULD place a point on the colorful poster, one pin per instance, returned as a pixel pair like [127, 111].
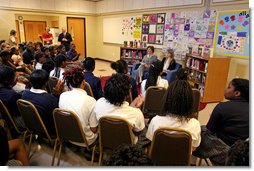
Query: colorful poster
[160, 29]
[232, 34]
[151, 38]
[138, 22]
[136, 34]
[161, 18]
[153, 19]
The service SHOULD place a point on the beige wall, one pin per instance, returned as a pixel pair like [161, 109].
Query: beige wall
[7, 20]
[238, 67]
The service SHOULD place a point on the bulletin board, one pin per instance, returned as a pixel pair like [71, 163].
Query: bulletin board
[232, 34]
[153, 28]
[190, 29]
[120, 29]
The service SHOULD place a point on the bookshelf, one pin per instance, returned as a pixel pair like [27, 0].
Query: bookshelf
[132, 55]
[209, 75]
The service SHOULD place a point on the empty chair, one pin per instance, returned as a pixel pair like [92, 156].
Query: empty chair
[10, 120]
[33, 122]
[171, 147]
[88, 89]
[52, 83]
[154, 101]
[196, 101]
[113, 132]
[73, 132]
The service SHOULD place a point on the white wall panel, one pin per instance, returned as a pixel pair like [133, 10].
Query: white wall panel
[175, 2]
[138, 4]
[48, 5]
[128, 4]
[120, 5]
[5, 3]
[149, 4]
[161, 3]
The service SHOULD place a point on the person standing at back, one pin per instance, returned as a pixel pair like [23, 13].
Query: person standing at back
[47, 37]
[65, 39]
[13, 38]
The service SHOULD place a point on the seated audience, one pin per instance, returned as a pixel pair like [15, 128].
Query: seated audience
[121, 67]
[43, 101]
[154, 78]
[147, 60]
[129, 155]
[28, 54]
[48, 66]
[178, 109]
[9, 97]
[52, 53]
[77, 101]
[60, 64]
[114, 103]
[14, 147]
[94, 82]
[39, 60]
[61, 50]
[238, 154]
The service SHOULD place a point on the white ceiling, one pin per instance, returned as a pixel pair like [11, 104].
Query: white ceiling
[93, 0]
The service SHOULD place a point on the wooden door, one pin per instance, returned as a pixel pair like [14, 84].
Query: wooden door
[76, 27]
[33, 30]
[18, 32]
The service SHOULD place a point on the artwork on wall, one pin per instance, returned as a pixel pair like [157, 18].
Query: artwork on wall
[189, 29]
[232, 34]
[153, 26]
[131, 28]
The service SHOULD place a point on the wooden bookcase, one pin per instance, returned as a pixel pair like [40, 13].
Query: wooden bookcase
[132, 55]
[209, 75]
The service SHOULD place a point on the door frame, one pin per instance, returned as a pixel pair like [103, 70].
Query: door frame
[31, 21]
[84, 29]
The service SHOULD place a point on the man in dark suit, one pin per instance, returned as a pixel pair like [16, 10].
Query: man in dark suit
[65, 39]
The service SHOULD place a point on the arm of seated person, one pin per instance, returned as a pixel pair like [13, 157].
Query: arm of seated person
[137, 102]
[94, 129]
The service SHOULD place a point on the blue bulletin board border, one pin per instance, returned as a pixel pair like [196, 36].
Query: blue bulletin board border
[221, 33]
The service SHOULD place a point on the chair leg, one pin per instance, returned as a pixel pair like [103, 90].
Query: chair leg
[30, 143]
[199, 161]
[208, 162]
[93, 154]
[54, 152]
[100, 157]
[59, 153]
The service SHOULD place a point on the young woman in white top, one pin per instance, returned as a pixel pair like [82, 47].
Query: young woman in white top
[154, 78]
[79, 102]
[60, 64]
[178, 109]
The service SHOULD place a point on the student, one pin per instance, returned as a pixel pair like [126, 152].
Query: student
[17, 59]
[14, 147]
[44, 102]
[121, 67]
[39, 60]
[113, 103]
[238, 154]
[154, 78]
[83, 107]
[48, 66]
[28, 55]
[129, 155]
[94, 82]
[148, 59]
[228, 122]
[9, 97]
[61, 50]
[60, 64]
[178, 109]
[72, 54]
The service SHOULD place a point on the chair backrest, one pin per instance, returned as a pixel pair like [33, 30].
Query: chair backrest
[52, 83]
[196, 101]
[32, 118]
[88, 89]
[7, 116]
[171, 147]
[68, 126]
[154, 101]
[113, 132]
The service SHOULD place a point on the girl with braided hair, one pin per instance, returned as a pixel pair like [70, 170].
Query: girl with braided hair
[77, 101]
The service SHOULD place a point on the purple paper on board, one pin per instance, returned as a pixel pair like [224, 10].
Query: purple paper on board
[209, 35]
[241, 34]
[173, 15]
[207, 14]
[233, 27]
[227, 27]
[240, 18]
[176, 21]
[191, 33]
[245, 23]
[176, 32]
[219, 40]
[167, 26]
[186, 27]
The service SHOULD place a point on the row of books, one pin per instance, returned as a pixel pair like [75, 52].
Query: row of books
[133, 53]
[197, 76]
[197, 64]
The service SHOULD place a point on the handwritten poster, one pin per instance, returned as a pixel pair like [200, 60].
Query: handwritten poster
[232, 34]
[131, 28]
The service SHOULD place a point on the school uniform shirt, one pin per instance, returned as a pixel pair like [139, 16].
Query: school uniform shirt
[38, 65]
[132, 115]
[45, 103]
[15, 58]
[192, 126]
[95, 84]
[82, 105]
[160, 82]
[61, 71]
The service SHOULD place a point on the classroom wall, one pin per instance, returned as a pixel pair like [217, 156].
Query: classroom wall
[238, 67]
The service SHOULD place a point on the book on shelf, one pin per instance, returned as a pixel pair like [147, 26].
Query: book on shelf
[201, 90]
